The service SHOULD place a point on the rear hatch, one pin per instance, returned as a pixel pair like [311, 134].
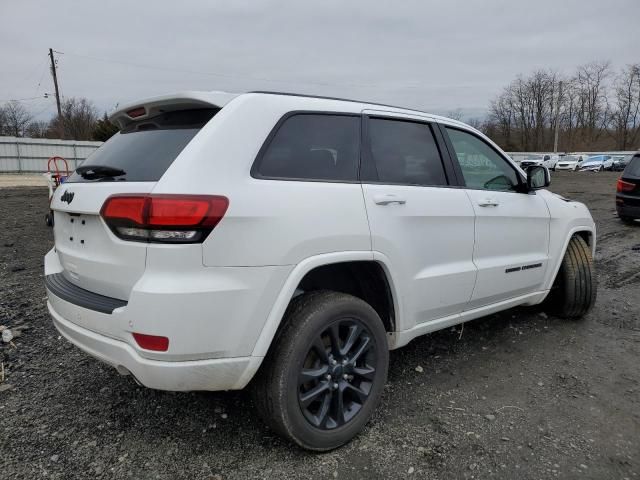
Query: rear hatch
[629, 183]
[130, 162]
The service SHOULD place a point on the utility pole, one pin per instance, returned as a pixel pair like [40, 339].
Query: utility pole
[555, 141]
[55, 84]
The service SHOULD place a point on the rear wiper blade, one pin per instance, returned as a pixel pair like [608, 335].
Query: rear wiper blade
[92, 172]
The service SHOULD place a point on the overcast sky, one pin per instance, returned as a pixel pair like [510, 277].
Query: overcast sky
[431, 55]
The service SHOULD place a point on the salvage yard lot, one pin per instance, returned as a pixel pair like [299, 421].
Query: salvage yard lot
[519, 394]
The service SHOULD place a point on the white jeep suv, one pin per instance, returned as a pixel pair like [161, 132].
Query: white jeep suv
[288, 242]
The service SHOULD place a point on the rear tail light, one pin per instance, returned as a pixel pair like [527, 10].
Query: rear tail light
[623, 186]
[163, 218]
[151, 342]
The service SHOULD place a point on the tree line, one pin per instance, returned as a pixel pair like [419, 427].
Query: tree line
[595, 108]
[79, 121]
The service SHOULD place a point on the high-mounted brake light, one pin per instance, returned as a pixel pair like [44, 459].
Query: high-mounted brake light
[623, 186]
[137, 112]
[164, 218]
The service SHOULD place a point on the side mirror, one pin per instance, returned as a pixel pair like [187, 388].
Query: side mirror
[538, 177]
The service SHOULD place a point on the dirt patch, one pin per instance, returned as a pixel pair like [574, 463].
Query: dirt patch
[519, 395]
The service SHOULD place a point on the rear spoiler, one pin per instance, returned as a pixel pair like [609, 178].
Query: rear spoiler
[166, 103]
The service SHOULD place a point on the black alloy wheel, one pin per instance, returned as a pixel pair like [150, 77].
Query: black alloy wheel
[337, 374]
[325, 372]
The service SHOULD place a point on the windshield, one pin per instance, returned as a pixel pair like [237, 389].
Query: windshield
[144, 150]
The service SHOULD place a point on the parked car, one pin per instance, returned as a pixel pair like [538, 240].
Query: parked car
[533, 160]
[628, 191]
[548, 160]
[596, 163]
[620, 162]
[552, 161]
[220, 241]
[570, 162]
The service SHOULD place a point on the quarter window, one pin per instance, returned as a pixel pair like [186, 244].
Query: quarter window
[313, 147]
[404, 152]
[482, 167]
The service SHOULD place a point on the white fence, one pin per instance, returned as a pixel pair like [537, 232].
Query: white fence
[22, 155]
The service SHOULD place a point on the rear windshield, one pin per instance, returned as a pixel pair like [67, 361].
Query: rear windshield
[633, 168]
[144, 150]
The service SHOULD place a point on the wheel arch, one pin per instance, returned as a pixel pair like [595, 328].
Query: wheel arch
[317, 263]
[587, 233]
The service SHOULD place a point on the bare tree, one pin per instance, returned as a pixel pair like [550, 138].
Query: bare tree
[626, 114]
[37, 129]
[476, 123]
[78, 119]
[3, 121]
[455, 114]
[593, 112]
[16, 118]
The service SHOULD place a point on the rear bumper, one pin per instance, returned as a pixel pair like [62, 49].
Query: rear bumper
[212, 316]
[628, 205]
[217, 374]
[627, 211]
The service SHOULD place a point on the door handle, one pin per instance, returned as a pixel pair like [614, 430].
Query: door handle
[488, 202]
[388, 199]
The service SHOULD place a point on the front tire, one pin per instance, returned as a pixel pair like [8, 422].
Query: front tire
[574, 289]
[323, 377]
[627, 220]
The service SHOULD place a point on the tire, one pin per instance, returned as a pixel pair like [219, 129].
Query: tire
[574, 289]
[298, 411]
[628, 220]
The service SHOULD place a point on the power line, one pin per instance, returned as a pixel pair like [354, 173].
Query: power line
[44, 69]
[34, 70]
[23, 99]
[237, 76]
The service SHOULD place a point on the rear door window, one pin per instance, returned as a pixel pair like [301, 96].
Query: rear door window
[144, 150]
[633, 168]
[308, 146]
[403, 152]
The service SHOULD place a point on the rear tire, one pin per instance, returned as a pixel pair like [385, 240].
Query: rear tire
[628, 220]
[574, 289]
[323, 377]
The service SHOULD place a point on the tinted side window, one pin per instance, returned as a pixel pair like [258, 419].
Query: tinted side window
[313, 147]
[404, 152]
[482, 167]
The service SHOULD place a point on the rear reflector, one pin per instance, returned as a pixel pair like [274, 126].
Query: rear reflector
[164, 218]
[152, 342]
[623, 186]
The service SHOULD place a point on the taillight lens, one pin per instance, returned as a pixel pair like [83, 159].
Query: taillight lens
[164, 218]
[623, 186]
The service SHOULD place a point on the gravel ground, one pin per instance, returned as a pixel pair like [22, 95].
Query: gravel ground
[22, 180]
[514, 395]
